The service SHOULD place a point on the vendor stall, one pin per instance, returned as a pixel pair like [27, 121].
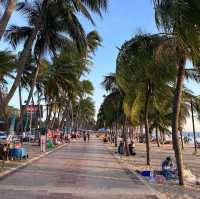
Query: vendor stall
[17, 151]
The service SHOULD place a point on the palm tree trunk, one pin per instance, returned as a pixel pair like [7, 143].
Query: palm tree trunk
[81, 124]
[110, 131]
[40, 114]
[141, 131]
[3, 110]
[193, 126]
[116, 134]
[125, 136]
[29, 97]
[53, 120]
[1, 95]
[58, 117]
[49, 115]
[20, 97]
[31, 117]
[157, 137]
[181, 134]
[72, 113]
[26, 53]
[63, 122]
[175, 117]
[147, 96]
[77, 116]
[47, 109]
[6, 16]
[59, 112]
[63, 117]
[20, 104]
[129, 132]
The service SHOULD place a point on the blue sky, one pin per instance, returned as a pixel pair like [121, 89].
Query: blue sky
[120, 23]
[122, 20]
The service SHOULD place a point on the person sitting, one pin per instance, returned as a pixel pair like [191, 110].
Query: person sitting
[121, 148]
[105, 138]
[131, 148]
[168, 168]
[67, 139]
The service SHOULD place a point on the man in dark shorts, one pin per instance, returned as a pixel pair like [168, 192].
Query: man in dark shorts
[84, 136]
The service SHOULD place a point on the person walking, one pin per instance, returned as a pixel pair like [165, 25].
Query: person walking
[88, 136]
[121, 148]
[43, 143]
[84, 136]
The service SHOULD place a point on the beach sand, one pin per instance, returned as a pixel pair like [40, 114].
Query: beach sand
[171, 189]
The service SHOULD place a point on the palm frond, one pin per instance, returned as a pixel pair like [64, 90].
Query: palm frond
[16, 35]
[192, 74]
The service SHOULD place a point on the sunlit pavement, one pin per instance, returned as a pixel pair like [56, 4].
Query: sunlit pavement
[77, 171]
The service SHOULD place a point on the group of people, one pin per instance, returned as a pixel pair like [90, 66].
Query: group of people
[131, 148]
[67, 138]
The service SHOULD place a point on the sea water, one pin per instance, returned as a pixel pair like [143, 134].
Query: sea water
[185, 134]
[190, 135]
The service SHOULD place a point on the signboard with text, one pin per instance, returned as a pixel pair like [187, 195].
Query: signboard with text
[35, 109]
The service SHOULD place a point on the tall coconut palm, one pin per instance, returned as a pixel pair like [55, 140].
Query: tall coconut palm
[160, 115]
[63, 77]
[193, 103]
[142, 76]
[86, 112]
[111, 113]
[115, 99]
[9, 8]
[37, 32]
[81, 6]
[85, 89]
[7, 66]
[180, 19]
[30, 79]
[48, 20]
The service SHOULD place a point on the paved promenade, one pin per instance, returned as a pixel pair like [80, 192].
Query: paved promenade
[76, 171]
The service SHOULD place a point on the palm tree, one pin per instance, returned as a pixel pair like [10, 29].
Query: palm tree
[195, 106]
[193, 103]
[86, 112]
[59, 18]
[9, 8]
[115, 99]
[160, 116]
[142, 73]
[45, 39]
[184, 113]
[80, 6]
[179, 18]
[7, 66]
[111, 112]
[62, 80]
[29, 79]
[85, 89]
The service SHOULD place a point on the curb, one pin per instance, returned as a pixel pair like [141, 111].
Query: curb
[15, 169]
[128, 167]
